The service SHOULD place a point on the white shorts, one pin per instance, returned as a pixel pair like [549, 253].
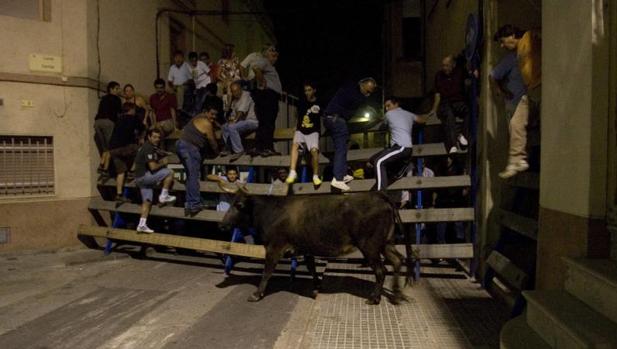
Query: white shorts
[310, 141]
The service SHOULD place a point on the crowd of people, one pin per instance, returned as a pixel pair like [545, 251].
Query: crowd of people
[241, 97]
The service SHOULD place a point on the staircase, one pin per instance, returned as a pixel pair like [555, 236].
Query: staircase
[583, 315]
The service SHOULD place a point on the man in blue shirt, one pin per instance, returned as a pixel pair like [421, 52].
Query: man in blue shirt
[340, 109]
[506, 77]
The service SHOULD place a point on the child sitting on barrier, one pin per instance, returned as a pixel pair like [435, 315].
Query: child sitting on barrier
[225, 199]
[150, 170]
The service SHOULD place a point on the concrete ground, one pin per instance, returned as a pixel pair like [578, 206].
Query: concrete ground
[79, 299]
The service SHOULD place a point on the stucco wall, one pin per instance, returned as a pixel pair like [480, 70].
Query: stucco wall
[445, 32]
[574, 108]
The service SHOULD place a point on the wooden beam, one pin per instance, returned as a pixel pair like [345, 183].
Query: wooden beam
[507, 271]
[405, 183]
[523, 225]
[419, 150]
[212, 187]
[434, 251]
[271, 161]
[97, 203]
[248, 250]
[280, 134]
[437, 215]
[198, 244]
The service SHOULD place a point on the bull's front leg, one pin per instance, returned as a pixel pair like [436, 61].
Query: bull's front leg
[310, 265]
[272, 257]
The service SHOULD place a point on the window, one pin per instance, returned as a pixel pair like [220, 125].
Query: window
[26, 166]
[30, 9]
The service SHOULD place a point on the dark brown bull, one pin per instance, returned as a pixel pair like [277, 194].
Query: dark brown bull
[328, 226]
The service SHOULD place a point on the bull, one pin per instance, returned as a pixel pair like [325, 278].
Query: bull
[327, 226]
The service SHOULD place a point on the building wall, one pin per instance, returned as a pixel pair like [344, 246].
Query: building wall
[573, 180]
[64, 104]
[445, 32]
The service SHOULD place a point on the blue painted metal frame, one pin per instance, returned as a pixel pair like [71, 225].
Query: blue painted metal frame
[117, 222]
[419, 172]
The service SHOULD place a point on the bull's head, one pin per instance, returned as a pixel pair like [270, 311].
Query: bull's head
[240, 213]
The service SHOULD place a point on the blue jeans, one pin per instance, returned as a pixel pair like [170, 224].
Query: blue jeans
[441, 231]
[337, 127]
[191, 160]
[231, 133]
[198, 103]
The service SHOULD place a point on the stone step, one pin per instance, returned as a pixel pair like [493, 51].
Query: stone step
[563, 321]
[594, 281]
[516, 334]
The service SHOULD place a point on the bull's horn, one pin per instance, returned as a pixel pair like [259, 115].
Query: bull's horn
[226, 188]
[244, 189]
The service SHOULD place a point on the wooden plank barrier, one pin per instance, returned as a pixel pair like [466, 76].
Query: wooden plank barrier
[520, 224]
[464, 250]
[361, 185]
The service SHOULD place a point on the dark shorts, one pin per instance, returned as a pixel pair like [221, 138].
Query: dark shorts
[123, 157]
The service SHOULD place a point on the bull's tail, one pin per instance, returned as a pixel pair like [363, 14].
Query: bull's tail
[410, 256]
[409, 253]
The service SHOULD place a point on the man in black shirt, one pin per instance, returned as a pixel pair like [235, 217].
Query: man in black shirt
[150, 170]
[110, 107]
[123, 146]
[307, 132]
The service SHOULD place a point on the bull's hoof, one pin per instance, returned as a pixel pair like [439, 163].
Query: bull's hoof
[255, 297]
[314, 293]
[373, 301]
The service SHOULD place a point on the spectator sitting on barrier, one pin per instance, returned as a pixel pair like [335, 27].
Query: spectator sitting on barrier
[110, 107]
[340, 109]
[150, 171]
[141, 106]
[164, 109]
[400, 123]
[199, 72]
[242, 120]
[225, 199]
[307, 132]
[528, 49]
[196, 137]
[123, 146]
[449, 86]
[506, 78]
[280, 176]
[180, 80]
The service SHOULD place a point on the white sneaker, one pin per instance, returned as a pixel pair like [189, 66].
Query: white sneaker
[144, 229]
[166, 199]
[291, 177]
[453, 150]
[514, 168]
[347, 178]
[340, 185]
[462, 140]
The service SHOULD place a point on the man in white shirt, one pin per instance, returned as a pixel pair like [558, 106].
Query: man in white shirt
[178, 78]
[199, 73]
[242, 120]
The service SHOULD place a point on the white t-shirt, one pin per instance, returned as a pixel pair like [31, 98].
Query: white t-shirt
[244, 104]
[249, 63]
[178, 76]
[199, 73]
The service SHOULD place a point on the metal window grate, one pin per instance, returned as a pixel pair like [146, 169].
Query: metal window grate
[26, 165]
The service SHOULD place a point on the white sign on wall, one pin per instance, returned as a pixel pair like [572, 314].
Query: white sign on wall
[45, 63]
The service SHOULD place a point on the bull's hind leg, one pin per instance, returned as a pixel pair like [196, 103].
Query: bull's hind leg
[310, 264]
[272, 257]
[395, 258]
[374, 261]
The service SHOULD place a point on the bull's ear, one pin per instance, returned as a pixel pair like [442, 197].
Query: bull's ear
[239, 204]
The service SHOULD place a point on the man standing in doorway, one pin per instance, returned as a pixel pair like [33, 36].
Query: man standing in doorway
[340, 109]
[179, 78]
[449, 85]
[266, 96]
